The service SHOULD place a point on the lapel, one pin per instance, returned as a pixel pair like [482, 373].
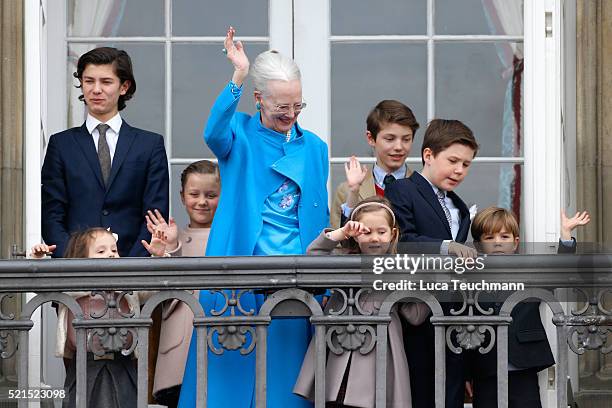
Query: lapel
[126, 138]
[367, 188]
[85, 141]
[428, 194]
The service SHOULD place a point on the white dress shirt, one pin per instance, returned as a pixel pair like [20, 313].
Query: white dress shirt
[112, 133]
[455, 217]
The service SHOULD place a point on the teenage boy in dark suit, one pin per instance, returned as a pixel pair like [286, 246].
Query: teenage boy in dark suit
[436, 220]
[105, 173]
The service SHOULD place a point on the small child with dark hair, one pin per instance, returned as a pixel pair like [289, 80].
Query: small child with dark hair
[496, 231]
[391, 127]
[111, 376]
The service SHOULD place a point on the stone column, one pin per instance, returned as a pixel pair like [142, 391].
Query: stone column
[11, 125]
[605, 77]
[594, 138]
[11, 142]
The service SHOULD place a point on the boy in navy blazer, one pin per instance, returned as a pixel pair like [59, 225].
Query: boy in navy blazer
[437, 221]
[105, 173]
[496, 231]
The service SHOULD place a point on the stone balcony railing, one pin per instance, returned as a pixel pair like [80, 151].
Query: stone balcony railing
[289, 284]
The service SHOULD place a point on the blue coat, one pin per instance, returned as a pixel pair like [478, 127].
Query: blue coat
[253, 162]
[73, 193]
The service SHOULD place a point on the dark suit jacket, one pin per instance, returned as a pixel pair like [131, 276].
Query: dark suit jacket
[73, 193]
[422, 221]
[528, 346]
[421, 217]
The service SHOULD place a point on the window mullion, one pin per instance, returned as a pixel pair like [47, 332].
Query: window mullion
[431, 70]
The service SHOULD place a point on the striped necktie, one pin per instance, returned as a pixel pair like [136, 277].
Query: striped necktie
[441, 198]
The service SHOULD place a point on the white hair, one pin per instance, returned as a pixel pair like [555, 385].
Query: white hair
[272, 65]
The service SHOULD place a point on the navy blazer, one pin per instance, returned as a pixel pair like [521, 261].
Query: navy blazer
[422, 221]
[528, 346]
[421, 217]
[73, 193]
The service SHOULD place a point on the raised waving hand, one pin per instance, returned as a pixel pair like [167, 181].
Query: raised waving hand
[235, 53]
[568, 224]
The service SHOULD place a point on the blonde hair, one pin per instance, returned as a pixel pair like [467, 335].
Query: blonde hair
[272, 65]
[370, 205]
[492, 220]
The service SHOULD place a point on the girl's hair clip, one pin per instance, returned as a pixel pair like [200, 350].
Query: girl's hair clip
[113, 234]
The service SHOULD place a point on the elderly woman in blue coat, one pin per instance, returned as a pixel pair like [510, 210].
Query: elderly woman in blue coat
[273, 202]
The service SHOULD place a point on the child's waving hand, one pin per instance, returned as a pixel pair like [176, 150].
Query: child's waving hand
[569, 224]
[157, 247]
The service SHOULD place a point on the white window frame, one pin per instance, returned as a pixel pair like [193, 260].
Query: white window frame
[544, 100]
[544, 167]
[313, 41]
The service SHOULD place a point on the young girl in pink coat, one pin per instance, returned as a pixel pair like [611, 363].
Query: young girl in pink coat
[111, 375]
[351, 376]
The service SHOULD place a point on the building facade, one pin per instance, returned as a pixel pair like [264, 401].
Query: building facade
[532, 78]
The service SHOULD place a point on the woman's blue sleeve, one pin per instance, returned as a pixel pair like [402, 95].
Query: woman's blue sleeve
[218, 134]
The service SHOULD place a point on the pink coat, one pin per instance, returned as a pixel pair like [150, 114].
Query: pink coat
[361, 384]
[177, 320]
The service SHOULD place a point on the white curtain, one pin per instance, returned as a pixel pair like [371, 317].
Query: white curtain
[505, 17]
[90, 18]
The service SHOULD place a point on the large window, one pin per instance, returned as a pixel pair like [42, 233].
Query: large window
[179, 68]
[460, 59]
[495, 64]
[443, 58]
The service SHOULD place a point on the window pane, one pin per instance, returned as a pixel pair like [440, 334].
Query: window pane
[364, 74]
[376, 17]
[146, 109]
[115, 18]
[178, 209]
[497, 17]
[199, 73]
[476, 87]
[503, 181]
[212, 17]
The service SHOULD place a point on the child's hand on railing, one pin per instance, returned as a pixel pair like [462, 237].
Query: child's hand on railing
[461, 250]
[39, 251]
